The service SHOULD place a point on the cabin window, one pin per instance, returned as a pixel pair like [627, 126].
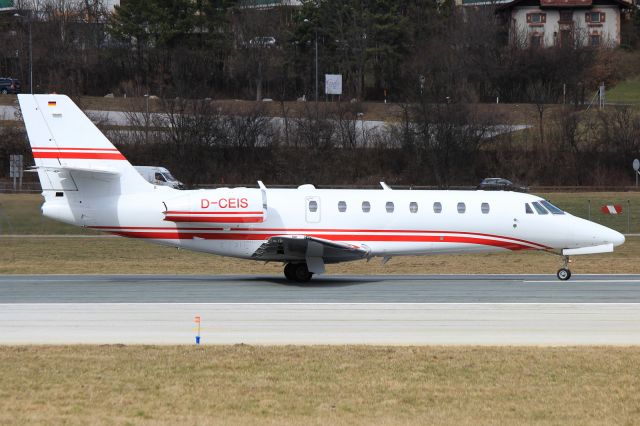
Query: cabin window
[484, 207]
[313, 206]
[342, 206]
[437, 207]
[413, 207]
[539, 208]
[553, 209]
[366, 206]
[527, 209]
[389, 206]
[461, 208]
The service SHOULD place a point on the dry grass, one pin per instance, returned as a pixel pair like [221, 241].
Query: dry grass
[91, 255]
[318, 385]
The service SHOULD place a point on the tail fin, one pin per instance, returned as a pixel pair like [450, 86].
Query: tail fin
[71, 153]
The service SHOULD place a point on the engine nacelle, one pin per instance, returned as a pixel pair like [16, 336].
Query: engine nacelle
[219, 206]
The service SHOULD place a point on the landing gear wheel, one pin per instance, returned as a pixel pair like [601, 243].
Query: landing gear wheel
[563, 274]
[289, 271]
[301, 273]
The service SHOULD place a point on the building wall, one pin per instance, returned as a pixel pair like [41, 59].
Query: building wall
[550, 31]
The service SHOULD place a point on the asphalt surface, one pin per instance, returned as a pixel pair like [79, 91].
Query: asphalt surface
[381, 310]
[323, 289]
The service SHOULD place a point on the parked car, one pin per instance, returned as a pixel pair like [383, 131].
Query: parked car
[9, 86]
[262, 42]
[159, 176]
[500, 184]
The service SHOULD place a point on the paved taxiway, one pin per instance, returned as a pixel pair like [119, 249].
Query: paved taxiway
[439, 309]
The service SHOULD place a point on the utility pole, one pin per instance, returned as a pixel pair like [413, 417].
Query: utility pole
[16, 15]
[315, 29]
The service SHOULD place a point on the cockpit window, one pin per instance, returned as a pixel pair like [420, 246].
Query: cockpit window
[169, 177]
[553, 209]
[160, 177]
[528, 209]
[539, 208]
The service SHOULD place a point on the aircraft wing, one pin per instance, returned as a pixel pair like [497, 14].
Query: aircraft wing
[310, 249]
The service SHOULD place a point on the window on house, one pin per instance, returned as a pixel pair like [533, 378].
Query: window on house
[594, 40]
[536, 18]
[389, 206]
[461, 208]
[594, 17]
[342, 206]
[313, 206]
[366, 206]
[528, 209]
[437, 207]
[539, 208]
[413, 207]
[484, 207]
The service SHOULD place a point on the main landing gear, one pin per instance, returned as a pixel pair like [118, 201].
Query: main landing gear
[297, 272]
[564, 273]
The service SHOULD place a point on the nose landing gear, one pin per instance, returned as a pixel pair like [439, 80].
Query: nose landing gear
[297, 272]
[564, 273]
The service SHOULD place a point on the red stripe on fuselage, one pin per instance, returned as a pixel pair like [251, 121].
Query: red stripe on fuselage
[187, 213]
[200, 219]
[180, 235]
[316, 231]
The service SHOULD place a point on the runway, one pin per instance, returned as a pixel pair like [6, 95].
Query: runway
[322, 289]
[399, 310]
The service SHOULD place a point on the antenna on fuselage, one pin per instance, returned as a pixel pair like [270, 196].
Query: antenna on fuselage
[385, 186]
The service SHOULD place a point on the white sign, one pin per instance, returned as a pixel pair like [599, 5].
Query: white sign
[333, 84]
[636, 164]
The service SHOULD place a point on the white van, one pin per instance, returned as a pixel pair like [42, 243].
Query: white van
[159, 176]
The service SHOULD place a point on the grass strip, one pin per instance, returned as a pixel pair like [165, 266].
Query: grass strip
[318, 385]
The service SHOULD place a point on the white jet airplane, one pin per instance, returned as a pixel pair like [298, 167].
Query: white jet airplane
[87, 182]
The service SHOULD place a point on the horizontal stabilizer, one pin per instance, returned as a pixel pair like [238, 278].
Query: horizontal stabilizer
[113, 173]
[604, 248]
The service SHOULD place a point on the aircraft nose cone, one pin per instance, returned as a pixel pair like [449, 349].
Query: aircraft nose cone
[616, 238]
